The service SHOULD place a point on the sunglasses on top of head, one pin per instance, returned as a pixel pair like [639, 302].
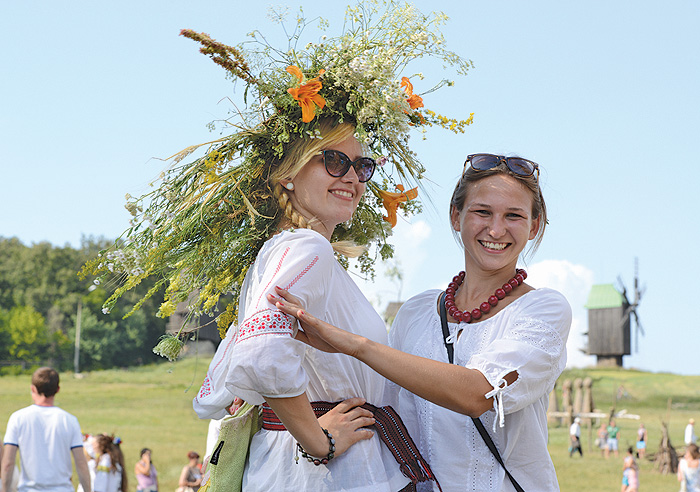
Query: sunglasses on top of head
[338, 164]
[518, 165]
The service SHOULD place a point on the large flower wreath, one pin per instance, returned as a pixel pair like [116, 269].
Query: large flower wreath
[202, 226]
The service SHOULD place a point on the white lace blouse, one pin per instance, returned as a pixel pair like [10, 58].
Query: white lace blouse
[260, 358]
[528, 336]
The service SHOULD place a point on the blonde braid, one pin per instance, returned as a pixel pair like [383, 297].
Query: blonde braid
[346, 248]
[285, 204]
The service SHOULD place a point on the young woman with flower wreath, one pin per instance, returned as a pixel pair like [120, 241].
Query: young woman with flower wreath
[109, 465]
[260, 361]
[282, 202]
[496, 356]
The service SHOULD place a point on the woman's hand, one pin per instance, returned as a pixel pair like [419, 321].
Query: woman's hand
[235, 405]
[316, 333]
[346, 422]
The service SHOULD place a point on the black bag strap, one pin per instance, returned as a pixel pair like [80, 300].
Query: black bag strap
[445, 329]
[477, 422]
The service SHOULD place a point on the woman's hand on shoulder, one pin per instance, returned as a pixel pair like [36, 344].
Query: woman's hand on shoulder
[315, 332]
[347, 423]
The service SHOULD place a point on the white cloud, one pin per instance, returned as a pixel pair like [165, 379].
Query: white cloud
[574, 282]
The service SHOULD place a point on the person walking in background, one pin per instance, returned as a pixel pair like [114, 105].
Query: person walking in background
[146, 474]
[191, 476]
[602, 439]
[630, 473]
[613, 439]
[690, 437]
[45, 436]
[575, 438]
[688, 467]
[641, 441]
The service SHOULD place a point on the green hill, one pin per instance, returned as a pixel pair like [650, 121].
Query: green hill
[151, 407]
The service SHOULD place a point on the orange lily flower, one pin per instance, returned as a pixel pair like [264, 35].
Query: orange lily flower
[307, 94]
[414, 100]
[391, 201]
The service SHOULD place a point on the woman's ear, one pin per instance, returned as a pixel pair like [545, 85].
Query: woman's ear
[534, 228]
[454, 219]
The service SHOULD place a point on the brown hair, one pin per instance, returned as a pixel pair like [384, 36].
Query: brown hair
[105, 445]
[192, 455]
[531, 183]
[693, 450]
[45, 379]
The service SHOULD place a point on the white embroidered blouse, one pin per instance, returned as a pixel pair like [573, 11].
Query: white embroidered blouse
[106, 479]
[260, 358]
[528, 336]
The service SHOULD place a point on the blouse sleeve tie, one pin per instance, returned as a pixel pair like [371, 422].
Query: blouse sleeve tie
[497, 394]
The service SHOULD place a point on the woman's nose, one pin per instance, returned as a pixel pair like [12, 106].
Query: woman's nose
[351, 176]
[497, 228]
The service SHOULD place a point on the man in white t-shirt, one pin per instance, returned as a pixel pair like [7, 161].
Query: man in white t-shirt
[45, 436]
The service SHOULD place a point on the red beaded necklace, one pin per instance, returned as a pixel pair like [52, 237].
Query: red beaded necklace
[484, 307]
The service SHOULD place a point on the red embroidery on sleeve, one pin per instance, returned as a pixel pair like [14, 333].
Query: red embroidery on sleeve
[265, 322]
[205, 390]
[302, 273]
[277, 270]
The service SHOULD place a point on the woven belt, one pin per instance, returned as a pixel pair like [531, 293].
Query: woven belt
[391, 431]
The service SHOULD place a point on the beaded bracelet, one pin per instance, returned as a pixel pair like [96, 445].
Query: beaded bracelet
[319, 461]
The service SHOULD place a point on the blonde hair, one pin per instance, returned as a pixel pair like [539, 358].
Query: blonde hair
[298, 155]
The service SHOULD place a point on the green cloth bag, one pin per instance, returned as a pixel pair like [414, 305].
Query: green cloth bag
[227, 461]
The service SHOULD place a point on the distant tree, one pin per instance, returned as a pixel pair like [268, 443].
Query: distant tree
[39, 295]
[5, 340]
[28, 334]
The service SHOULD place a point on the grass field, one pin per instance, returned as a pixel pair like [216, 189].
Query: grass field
[151, 407]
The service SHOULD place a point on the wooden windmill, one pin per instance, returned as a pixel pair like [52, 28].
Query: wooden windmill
[610, 315]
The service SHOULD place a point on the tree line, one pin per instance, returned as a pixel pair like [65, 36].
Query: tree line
[39, 297]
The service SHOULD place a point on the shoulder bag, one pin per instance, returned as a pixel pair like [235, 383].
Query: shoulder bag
[224, 470]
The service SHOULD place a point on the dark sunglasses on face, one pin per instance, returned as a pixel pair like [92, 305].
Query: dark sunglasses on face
[338, 164]
[518, 165]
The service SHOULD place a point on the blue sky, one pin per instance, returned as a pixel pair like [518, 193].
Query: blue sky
[603, 95]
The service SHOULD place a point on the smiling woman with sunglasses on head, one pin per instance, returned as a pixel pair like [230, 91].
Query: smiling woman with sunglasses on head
[490, 347]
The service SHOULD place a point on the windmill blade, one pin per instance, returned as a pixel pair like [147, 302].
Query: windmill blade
[638, 328]
[626, 316]
[639, 323]
[621, 286]
[641, 292]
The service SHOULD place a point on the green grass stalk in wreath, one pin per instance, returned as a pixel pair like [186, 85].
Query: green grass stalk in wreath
[201, 227]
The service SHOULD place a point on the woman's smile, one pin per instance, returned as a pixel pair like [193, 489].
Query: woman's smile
[494, 246]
